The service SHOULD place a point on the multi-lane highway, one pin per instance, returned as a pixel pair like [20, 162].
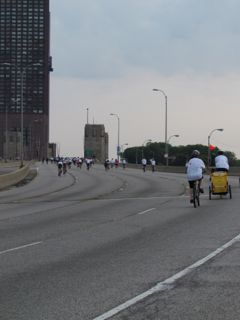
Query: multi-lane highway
[121, 244]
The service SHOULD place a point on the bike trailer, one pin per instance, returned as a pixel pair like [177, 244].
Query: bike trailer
[219, 182]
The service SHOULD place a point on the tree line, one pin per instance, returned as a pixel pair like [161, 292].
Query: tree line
[177, 155]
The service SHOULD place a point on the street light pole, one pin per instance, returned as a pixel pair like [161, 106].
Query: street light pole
[58, 149]
[166, 122]
[87, 114]
[209, 136]
[118, 146]
[21, 143]
[6, 135]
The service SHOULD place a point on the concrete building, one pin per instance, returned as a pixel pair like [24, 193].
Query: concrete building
[25, 64]
[95, 142]
[52, 150]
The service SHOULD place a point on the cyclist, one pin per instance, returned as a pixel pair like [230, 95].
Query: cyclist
[112, 162]
[124, 162]
[60, 165]
[88, 163]
[107, 164]
[195, 167]
[64, 167]
[116, 162]
[144, 164]
[221, 162]
[153, 164]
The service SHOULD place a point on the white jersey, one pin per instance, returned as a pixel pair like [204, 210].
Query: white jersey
[153, 162]
[221, 161]
[195, 168]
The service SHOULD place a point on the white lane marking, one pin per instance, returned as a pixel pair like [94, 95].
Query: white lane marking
[168, 283]
[148, 198]
[147, 211]
[141, 198]
[21, 247]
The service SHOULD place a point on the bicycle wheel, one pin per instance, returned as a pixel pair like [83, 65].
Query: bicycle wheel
[230, 192]
[198, 195]
[210, 192]
[194, 195]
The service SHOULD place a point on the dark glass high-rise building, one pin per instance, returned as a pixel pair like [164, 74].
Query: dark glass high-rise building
[25, 64]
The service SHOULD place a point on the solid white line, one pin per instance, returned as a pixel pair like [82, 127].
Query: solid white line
[142, 198]
[166, 284]
[150, 198]
[147, 211]
[21, 247]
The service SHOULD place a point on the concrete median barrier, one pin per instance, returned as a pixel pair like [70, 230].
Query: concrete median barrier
[12, 178]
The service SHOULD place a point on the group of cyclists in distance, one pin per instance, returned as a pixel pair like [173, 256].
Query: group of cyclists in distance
[114, 163]
[64, 164]
[195, 167]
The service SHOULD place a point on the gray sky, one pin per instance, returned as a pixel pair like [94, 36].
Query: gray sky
[109, 54]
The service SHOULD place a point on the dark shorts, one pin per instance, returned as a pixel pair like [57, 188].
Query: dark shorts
[191, 183]
[221, 169]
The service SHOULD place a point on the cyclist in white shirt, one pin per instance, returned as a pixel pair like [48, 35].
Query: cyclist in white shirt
[195, 168]
[221, 162]
[144, 164]
[153, 164]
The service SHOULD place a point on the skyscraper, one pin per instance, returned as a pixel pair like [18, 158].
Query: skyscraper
[25, 64]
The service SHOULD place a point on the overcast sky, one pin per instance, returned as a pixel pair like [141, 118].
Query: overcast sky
[108, 55]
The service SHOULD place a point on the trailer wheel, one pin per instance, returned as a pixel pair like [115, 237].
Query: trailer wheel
[230, 192]
[210, 193]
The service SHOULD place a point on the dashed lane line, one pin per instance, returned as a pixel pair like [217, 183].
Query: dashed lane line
[146, 211]
[21, 247]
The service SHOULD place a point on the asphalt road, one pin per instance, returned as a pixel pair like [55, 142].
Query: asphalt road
[119, 245]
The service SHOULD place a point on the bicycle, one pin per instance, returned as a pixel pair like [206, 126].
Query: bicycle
[196, 194]
[59, 172]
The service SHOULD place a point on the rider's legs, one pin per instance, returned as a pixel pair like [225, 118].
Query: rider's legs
[191, 184]
[199, 183]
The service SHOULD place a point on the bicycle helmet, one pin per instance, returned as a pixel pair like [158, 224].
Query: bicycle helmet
[195, 153]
